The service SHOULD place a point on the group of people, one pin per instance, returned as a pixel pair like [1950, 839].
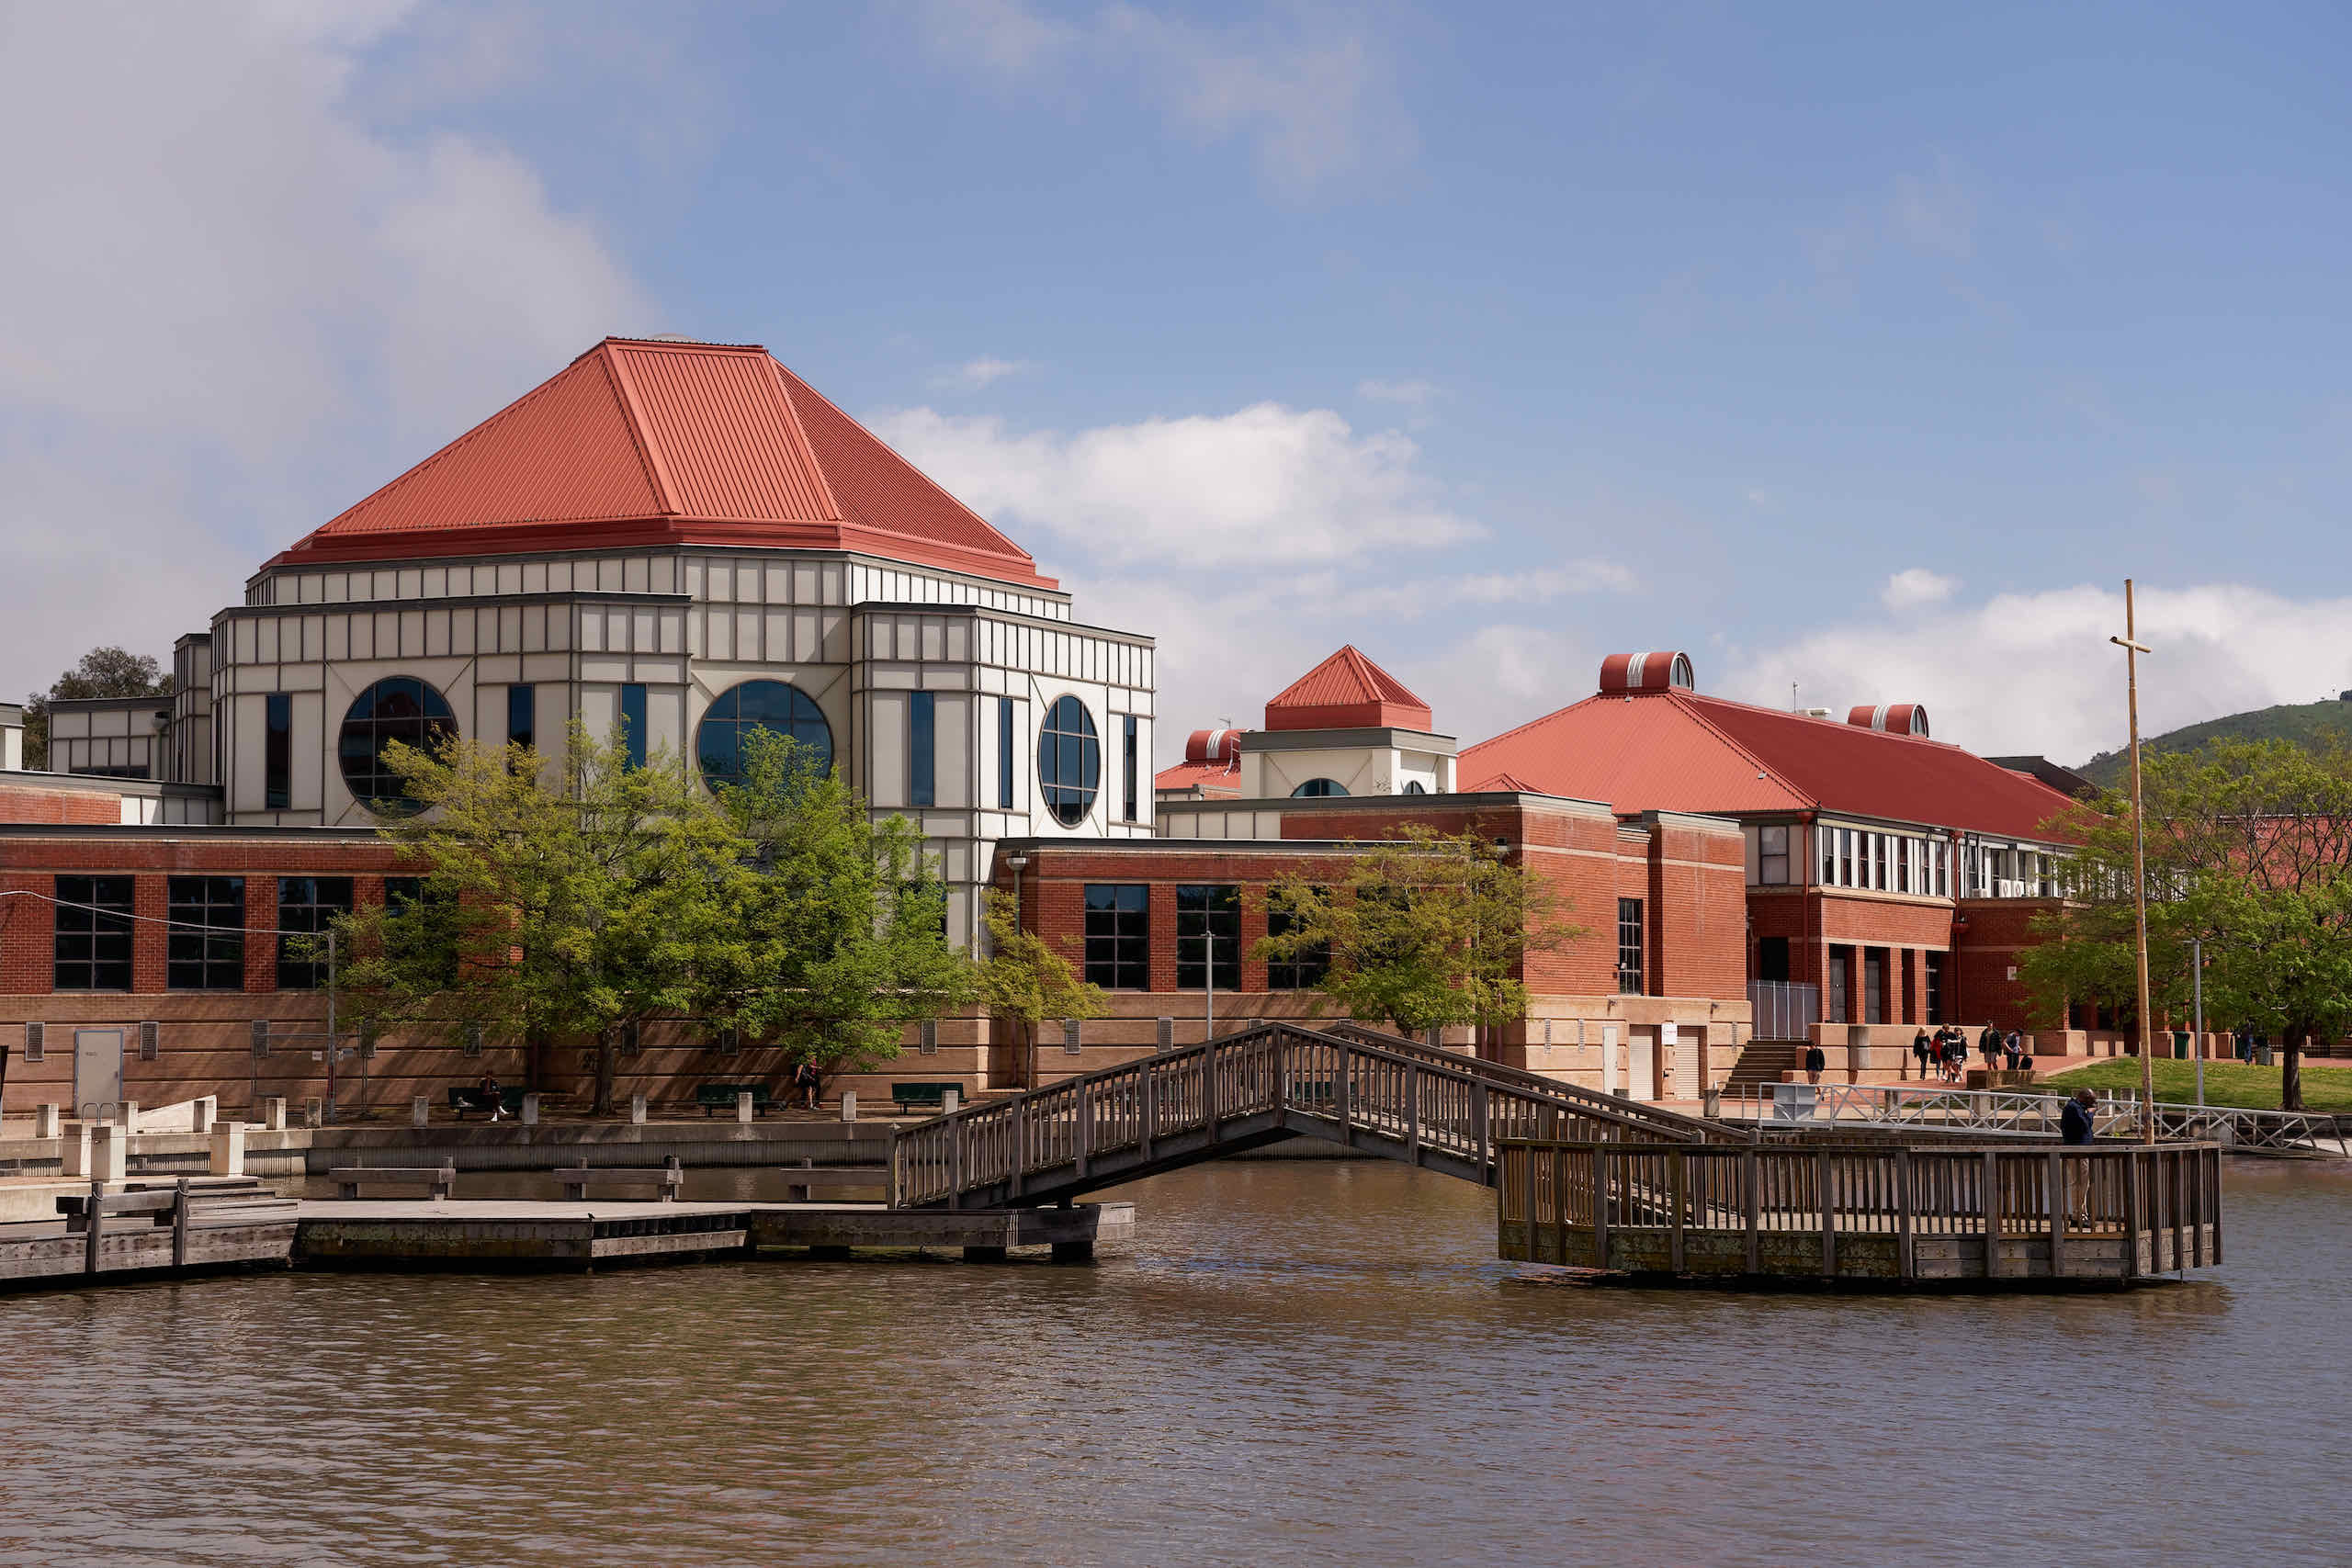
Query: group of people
[1947, 1051]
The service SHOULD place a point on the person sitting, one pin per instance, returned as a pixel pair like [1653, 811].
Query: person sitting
[490, 1097]
[2013, 1048]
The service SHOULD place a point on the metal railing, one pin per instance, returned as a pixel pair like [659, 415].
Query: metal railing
[1783, 1009]
[2026, 1111]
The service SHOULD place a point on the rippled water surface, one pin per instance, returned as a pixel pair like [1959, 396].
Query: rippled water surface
[1295, 1362]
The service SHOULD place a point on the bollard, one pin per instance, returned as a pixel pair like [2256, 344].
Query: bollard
[849, 1105]
[45, 1121]
[419, 1111]
[637, 1110]
[75, 1154]
[530, 1110]
[207, 1111]
[227, 1150]
[314, 1111]
[130, 1116]
[109, 1151]
[952, 1102]
[743, 1105]
[272, 1114]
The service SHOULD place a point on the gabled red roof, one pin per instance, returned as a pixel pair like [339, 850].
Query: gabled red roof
[1209, 777]
[640, 442]
[1347, 691]
[1503, 783]
[1677, 750]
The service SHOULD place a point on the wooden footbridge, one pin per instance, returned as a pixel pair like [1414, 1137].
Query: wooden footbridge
[1358, 1087]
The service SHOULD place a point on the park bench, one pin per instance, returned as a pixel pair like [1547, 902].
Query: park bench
[665, 1179]
[438, 1180]
[510, 1098]
[721, 1097]
[922, 1096]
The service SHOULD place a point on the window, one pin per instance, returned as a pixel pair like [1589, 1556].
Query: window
[922, 749]
[1414, 786]
[1118, 936]
[1301, 973]
[633, 723]
[740, 711]
[1208, 927]
[1833, 1004]
[93, 933]
[399, 892]
[522, 716]
[1313, 787]
[401, 708]
[1873, 985]
[307, 905]
[277, 752]
[1004, 759]
[1772, 959]
[1845, 857]
[1773, 853]
[1940, 852]
[1070, 760]
[1630, 967]
[1129, 767]
[1827, 838]
[206, 948]
[1905, 852]
[1935, 986]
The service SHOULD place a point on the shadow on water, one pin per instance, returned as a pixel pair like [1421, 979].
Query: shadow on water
[1297, 1361]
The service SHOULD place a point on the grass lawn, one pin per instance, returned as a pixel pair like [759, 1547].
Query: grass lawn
[2226, 1083]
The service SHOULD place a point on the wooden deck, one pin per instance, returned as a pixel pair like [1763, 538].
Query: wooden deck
[1862, 1214]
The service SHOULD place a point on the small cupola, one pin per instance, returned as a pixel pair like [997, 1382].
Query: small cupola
[1623, 674]
[1894, 718]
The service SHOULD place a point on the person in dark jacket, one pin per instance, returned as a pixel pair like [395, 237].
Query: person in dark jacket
[2076, 1128]
[1923, 1048]
[1989, 1044]
[1815, 1063]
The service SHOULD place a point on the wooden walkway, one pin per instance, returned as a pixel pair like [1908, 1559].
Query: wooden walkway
[1862, 1212]
[1380, 1093]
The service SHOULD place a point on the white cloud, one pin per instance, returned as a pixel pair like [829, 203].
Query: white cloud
[976, 374]
[1308, 91]
[2034, 672]
[1267, 486]
[1914, 586]
[231, 307]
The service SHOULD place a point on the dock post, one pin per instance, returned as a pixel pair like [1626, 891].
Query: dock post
[1753, 1199]
[530, 1110]
[1149, 1112]
[179, 1222]
[1905, 1264]
[419, 1111]
[1821, 1179]
[109, 1146]
[130, 1116]
[636, 1111]
[2056, 1179]
[314, 1110]
[1989, 1200]
[272, 1114]
[1677, 1191]
[743, 1107]
[849, 1105]
[1600, 1206]
[227, 1155]
[92, 1219]
[45, 1121]
[74, 1151]
[951, 1100]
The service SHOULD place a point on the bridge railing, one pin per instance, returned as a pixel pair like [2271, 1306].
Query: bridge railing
[2024, 1111]
[1414, 1100]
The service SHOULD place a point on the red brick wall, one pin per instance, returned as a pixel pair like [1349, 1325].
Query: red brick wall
[1997, 935]
[32, 804]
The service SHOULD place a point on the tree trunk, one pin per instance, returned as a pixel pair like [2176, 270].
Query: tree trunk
[604, 1103]
[2290, 1071]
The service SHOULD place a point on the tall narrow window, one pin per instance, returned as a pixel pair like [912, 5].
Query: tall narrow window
[1935, 986]
[206, 950]
[1845, 857]
[1826, 838]
[92, 939]
[1208, 937]
[1118, 936]
[277, 752]
[1773, 853]
[922, 749]
[1129, 767]
[522, 716]
[1302, 971]
[307, 905]
[1630, 967]
[633, 722]
[1004, 760]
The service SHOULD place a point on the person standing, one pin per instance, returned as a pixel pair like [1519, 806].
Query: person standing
[1922, 1048]
[2076, 1128]
[1817, 1061]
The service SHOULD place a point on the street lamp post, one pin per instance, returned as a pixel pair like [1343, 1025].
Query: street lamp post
[2132, 648]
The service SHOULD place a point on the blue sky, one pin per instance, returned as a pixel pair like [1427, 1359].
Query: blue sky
[1865, 352]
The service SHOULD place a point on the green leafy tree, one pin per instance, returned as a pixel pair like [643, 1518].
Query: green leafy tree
[2250, 850]
[551, 914]
[1427, 930]
[1027, 979]
[101, 673]
[838, 936]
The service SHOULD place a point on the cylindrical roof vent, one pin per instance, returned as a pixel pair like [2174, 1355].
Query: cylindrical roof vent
[1895, 718]
[1629, 672]
[1213, 746]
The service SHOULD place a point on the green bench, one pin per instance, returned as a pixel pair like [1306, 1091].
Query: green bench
[721, 1097]
[922, 1096]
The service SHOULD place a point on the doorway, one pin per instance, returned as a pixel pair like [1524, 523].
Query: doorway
[1642, 1048]
[98, 1071]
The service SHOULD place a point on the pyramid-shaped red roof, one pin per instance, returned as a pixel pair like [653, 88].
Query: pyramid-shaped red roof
[643, 441]
[1347, 691]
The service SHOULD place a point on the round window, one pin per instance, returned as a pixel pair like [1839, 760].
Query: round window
[402, 708]
[1070, 760]
[1320, 786]
[772, 706]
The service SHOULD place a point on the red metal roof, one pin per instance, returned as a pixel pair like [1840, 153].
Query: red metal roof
[1347, 691]
[1677, 750]
[1208, 777]
[640, 442]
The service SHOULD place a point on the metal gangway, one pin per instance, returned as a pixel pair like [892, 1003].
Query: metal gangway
[1380, 1093]
[2031, 1112]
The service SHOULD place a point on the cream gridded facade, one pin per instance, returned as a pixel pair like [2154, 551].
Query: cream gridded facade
[934, 688]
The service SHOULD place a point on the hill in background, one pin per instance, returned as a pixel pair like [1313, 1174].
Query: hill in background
[2306, 723]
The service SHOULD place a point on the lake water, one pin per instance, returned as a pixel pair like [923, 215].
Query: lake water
[1295, 1362]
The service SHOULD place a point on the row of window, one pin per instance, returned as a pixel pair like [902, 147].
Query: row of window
[204, 946]
[1877, 1003]
[1209, 940]
[1884, 863]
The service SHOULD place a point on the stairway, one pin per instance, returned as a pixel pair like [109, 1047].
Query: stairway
[1763, 1062]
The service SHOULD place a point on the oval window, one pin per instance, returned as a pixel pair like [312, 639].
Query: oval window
[739, 711]
[1070, 760]
[398, 707]
[1320, 787]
